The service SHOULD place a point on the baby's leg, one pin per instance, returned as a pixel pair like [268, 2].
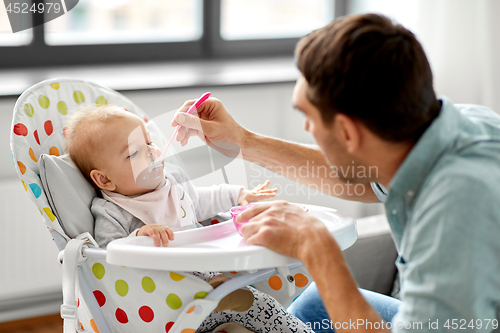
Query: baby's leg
[265, 315]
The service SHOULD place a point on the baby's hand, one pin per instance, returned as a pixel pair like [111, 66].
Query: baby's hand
[159, 233]
[257, 194]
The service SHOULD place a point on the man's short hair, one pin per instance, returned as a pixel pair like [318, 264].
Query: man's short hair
[373, 70]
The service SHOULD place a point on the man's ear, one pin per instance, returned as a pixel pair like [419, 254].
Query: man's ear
[101, 180]
[347, 132]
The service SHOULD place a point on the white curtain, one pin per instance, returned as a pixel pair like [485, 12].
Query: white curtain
[461, 39]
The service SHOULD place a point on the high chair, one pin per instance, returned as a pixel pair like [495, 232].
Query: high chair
[133, 286]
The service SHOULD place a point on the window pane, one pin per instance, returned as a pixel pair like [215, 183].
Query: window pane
[127, 21]
[7, 38]
[261, 19]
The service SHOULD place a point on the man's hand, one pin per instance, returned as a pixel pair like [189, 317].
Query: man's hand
[261, 192]
[160, 234]
[213, 124]
[283, 228]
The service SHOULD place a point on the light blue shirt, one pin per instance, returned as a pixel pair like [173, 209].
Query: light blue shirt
[443, 205]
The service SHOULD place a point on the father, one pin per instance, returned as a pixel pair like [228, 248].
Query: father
[366, 92]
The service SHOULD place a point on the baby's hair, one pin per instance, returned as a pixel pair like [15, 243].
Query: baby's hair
[83, 133]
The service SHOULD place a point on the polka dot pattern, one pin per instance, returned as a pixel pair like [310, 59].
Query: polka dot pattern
[300, 280]
[275, 282]
[49, 213]
[54, 151]
[121, 287]
[200, 294]
[148, 284]
[32, 156]
[20, 129]
[37, 139]
[146, 314]
[37, 191]
[94, 326]
[22, 167]
[43, 101]
[28, 109]
[173, 301]
[56, 86]
[47, 126]
[78, 97]
[62, 108]
[176, 276]
[99, 297]
[98, 270]
[121, 316]
[188, 330]
[101, 100]
[168, 326]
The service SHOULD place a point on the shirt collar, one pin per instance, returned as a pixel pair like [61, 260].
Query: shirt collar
[432, 145]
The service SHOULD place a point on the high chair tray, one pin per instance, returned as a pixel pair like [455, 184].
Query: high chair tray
[218, 247]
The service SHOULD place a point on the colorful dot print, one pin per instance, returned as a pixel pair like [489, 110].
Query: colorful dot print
[28, 109]
[275, 282]
[62, 108]
[56, 86]
[173, 301]
[94, 326]
[37, 139]
[78, 96]
[169, 326]
[121, 288]
[200, 294]
[188, 330]
[146, 314]
[26, 189]
[98, 270]
[37, 191]
[99, 297]
[43, 101]
[148, 284]
[20, 129]
[300, 280]
[22, 167]
[32, 156]
[101, 100]
[121, 316]
[54, 151]
[176, 277]
[49, 213]
[48, 127]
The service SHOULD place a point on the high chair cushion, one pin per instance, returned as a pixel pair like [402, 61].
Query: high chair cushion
[69, 194]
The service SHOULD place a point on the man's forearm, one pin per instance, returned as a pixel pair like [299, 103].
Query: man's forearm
[302, 163]
[343, 302]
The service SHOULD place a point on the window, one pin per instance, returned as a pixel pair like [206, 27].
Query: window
[114, 31]
[125, 21]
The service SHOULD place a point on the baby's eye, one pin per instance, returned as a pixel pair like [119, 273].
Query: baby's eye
[132, 155]
[150, 143]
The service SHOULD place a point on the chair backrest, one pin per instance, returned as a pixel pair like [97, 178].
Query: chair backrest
[37, 128]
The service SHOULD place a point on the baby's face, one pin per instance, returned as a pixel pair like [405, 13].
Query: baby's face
[128, 151]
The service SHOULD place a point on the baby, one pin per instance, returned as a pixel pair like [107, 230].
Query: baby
[111, 147]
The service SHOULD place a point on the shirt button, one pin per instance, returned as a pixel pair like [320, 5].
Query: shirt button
[410, 193]
[394, 212]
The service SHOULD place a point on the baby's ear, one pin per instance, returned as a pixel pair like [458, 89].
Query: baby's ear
[101, 180]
